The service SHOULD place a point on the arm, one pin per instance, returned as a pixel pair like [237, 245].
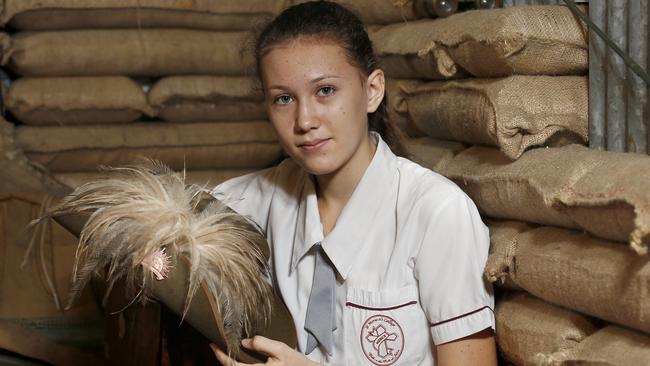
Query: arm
[454, 294]
[477, 349]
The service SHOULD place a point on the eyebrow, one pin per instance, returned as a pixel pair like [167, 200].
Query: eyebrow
[313, 81]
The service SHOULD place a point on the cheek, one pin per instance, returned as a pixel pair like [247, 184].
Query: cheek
[355, 113]
[283, 130]
[354, 104]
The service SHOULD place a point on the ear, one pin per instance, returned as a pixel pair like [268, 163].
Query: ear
[375, 87]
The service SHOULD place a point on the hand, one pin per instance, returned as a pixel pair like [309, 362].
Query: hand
[278, 353]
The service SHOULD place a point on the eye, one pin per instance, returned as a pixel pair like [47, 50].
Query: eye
[325, 91]
[282, 99]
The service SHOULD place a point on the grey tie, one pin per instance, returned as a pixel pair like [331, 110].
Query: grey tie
[321, 310]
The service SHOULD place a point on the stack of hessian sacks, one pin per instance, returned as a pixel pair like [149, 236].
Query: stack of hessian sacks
[85, 67]
[101, 84]
[569, 225]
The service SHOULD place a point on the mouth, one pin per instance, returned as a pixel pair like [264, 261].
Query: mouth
[313, 145]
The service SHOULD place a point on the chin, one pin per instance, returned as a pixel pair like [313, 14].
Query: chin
[317, 166]
[320, 172]
[315, 169]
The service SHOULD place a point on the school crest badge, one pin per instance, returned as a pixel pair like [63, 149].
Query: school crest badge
[382, 340]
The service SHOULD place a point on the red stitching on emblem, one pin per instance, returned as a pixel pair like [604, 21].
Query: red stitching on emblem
[380, 309]
[461, 316]
[381, 337]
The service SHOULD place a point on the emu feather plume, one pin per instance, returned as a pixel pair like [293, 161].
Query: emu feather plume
[144, 220]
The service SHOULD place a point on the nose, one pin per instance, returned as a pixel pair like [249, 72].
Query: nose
[306, 118]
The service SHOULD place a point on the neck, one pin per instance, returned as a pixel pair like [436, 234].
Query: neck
[335, 189]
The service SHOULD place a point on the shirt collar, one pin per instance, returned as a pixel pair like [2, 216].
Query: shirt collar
[348, 237]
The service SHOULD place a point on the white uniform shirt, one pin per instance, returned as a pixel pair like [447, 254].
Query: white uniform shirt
[409, 250]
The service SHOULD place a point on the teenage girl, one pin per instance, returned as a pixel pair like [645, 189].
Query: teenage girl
[406, 246]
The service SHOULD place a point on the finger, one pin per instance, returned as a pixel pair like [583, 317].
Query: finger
[223, 357]
[263, 345]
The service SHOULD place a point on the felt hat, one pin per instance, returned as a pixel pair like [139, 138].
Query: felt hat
[203, 311]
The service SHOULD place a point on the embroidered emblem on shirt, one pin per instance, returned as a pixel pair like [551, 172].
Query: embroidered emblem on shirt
[382, 340]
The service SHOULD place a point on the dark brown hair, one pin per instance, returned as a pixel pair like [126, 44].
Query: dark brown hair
[328, 20]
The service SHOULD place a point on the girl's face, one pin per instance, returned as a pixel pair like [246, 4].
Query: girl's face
[318, 103]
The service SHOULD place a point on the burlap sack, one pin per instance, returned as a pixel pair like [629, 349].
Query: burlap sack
[592, 276]
[198, 14]
[433, 154]
[206, 178]
[245, 155]
[398, 48]
[503, 247]
[76, 100]
[513, 113]
[27, 294]
[18, 174]
[533, 332]
[616, 188]
[571, 186]
[523, 189]
[612, 346]
[143, 52]
[384, 11]
[233, 145]
[397, 107]
[528, 40]
[207, 98]
[92, 14]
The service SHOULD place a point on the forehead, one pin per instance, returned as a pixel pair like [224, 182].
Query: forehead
[305, 58]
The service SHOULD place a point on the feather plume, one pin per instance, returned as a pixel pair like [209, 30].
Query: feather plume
[141, 216]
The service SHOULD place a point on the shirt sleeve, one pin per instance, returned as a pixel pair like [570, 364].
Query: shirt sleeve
[449, 266]
[249, 195]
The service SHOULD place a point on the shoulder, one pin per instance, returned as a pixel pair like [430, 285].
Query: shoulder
[438, 217]
[252, 195]
[262, 181]
[426, 191]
